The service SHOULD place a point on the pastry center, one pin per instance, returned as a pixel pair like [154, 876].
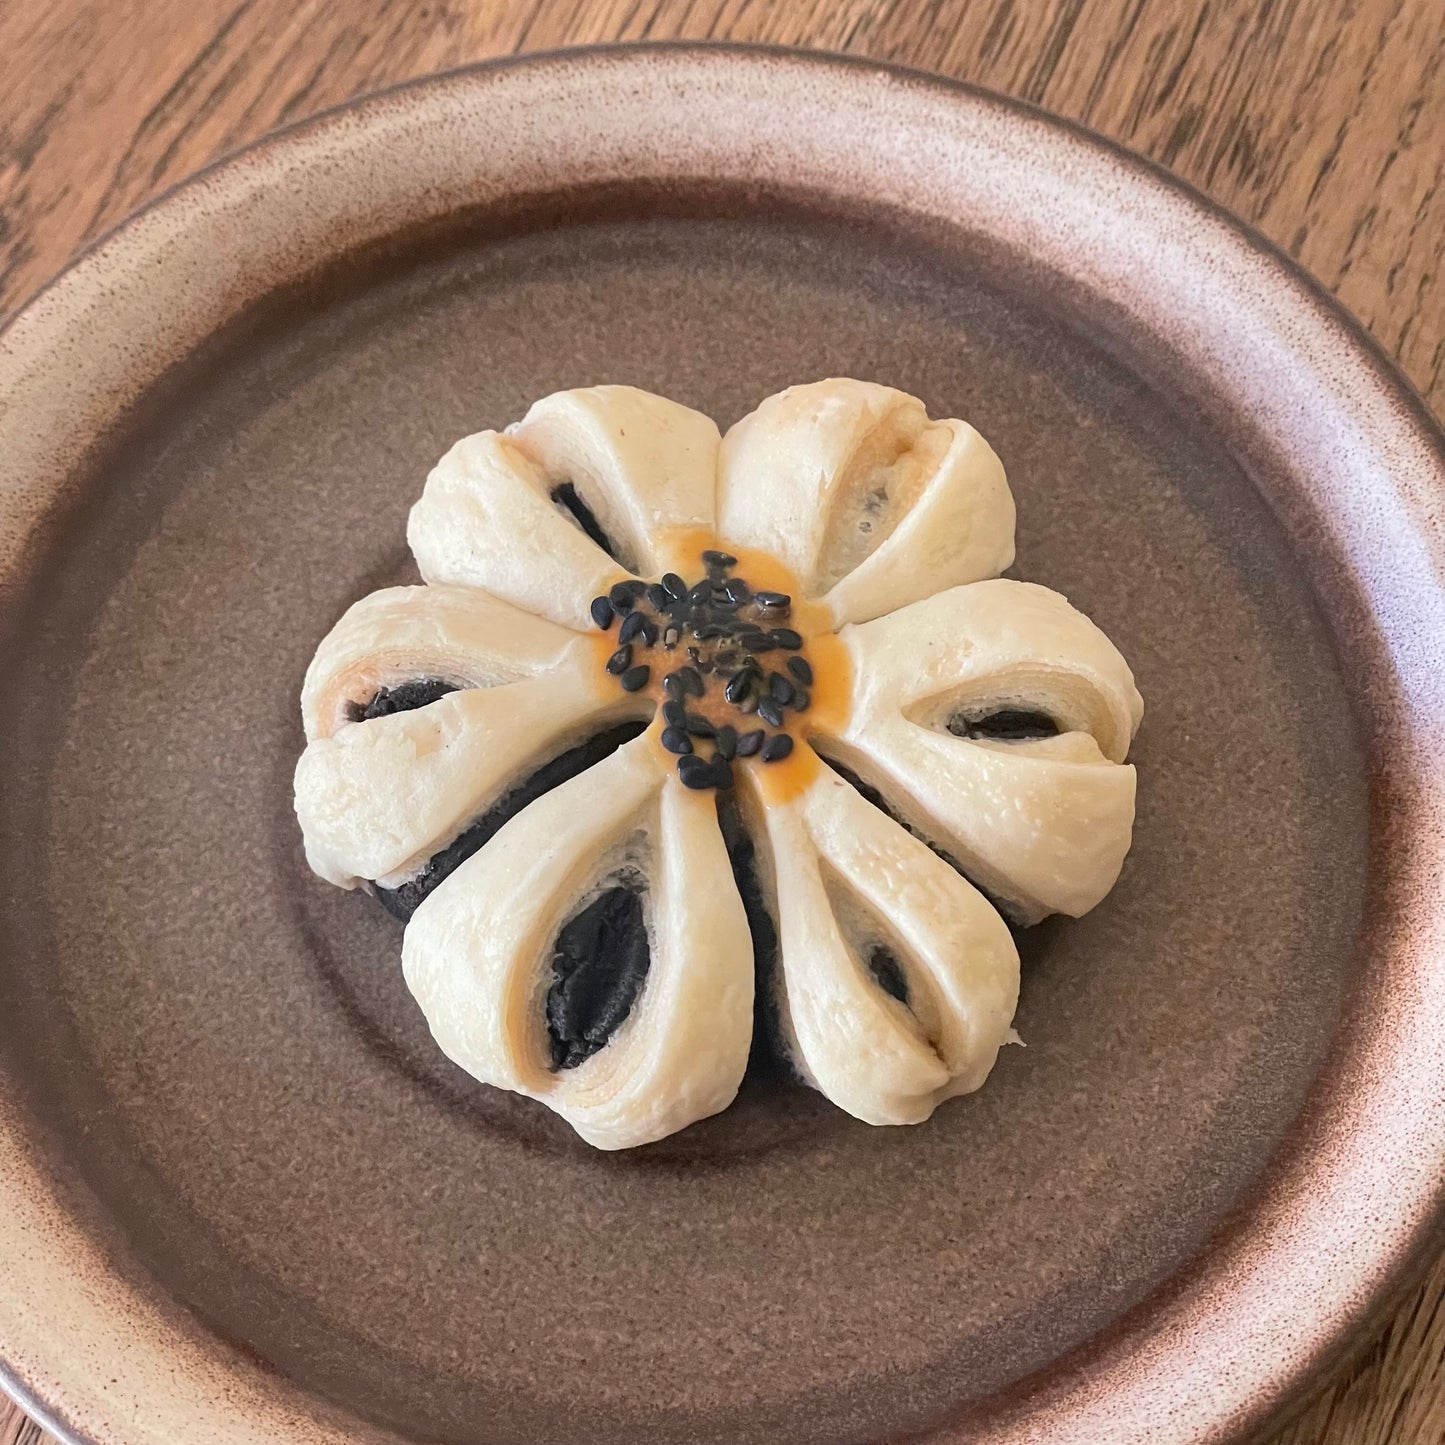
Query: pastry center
[732, 673]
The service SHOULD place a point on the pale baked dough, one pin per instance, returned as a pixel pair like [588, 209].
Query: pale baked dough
[894, 526]
[845, 879]
[477, 953]
[870, 503]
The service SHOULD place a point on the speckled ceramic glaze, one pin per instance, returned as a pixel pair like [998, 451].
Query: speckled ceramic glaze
[242, 1196]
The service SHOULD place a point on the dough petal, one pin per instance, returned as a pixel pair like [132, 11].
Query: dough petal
[644, 465]
[478, 953]
[1042, 824]
[377, 799]
[848, 883]
[486, 519]
[869, 502]
[407, 634]
[490, 514]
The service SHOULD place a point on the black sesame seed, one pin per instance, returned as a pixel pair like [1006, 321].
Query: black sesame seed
[673, 687]
[770, 712]
[635, 678]
[676, 588]
[692, 681]
[777, 748]
[699, 727]
[772, 599]
[727, 742]
[786, 637]
[676, 741]
[649, 632]
[700, 595]
[657, 596]
[722, 773]
[622, 597]
[695, 772]
[750, 742]
[673, 713]
[632, 626]
[721, 597]
[620, 661]
[781, 689]
[709, 630]
[800, 669]
[737, 590]
[602, 613]
[802, 698]
[670, 638]
[719, 559]
[761, 642]
[737, 689]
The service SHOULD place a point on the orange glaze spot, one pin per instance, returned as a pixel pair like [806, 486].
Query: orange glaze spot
[778, 784]
[832, 684]
[784, 782]
[601, 645]
[680, 550]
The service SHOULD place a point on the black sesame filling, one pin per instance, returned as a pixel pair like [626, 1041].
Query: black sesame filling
[888, 973]
[714, 636]
[565, 496]
[1008, 724]
[404, 900]
[598, 969]
[406, 697]
[768, 1056]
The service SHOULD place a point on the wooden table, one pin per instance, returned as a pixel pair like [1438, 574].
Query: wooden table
[1321, 121]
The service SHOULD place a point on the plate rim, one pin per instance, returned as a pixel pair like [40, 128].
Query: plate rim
[312, 134]
[303, 128]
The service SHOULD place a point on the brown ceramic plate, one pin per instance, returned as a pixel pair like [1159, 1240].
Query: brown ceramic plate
[242, 1197]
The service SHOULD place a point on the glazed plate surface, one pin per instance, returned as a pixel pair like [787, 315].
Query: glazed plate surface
[242, 1195]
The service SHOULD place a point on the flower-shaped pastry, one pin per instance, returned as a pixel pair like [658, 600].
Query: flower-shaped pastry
[675, 711]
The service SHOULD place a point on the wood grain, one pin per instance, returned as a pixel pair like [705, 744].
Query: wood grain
[1321, 121]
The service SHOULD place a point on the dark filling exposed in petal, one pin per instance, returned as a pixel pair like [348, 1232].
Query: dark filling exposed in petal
[768, 1057]
[888, 972]
[406, 697]
[1009, 724]
[597, 973]
[405, 900]
[565, 496]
